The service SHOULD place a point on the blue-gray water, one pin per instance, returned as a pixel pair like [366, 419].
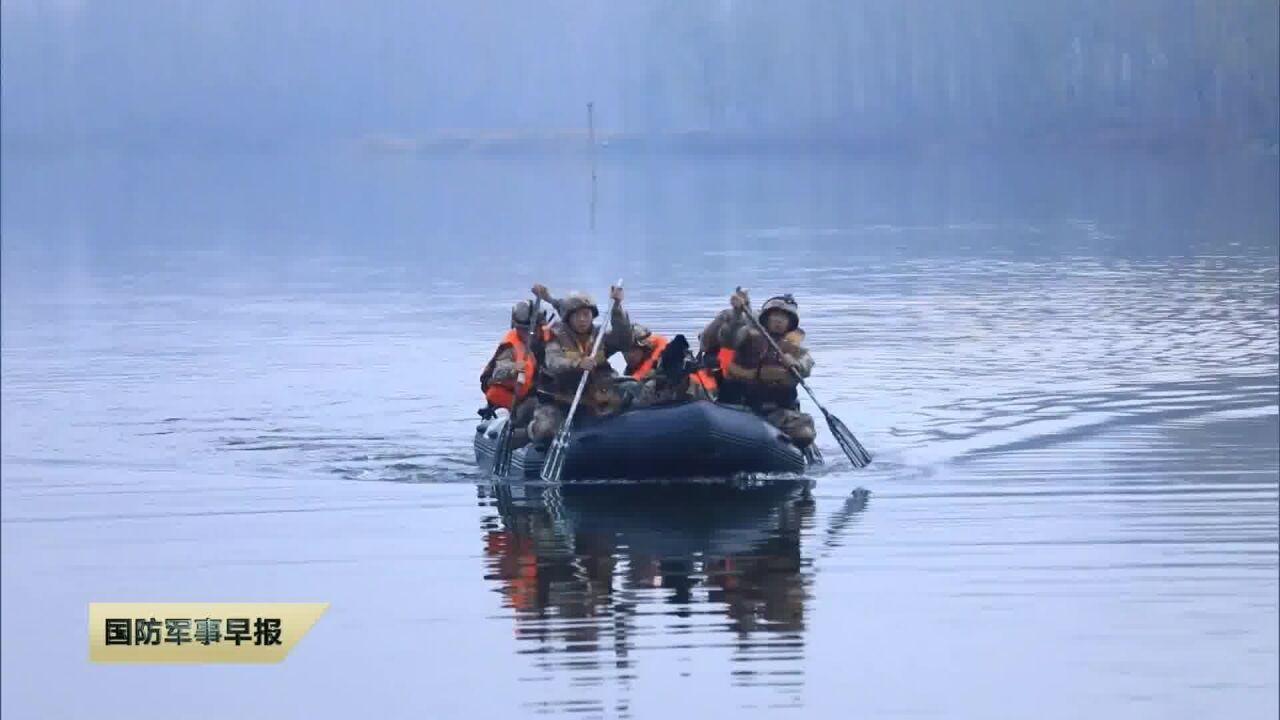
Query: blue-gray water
[240, 378]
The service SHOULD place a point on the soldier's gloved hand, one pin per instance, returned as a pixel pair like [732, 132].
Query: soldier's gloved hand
[739, 300]
[789, 361]
[587, 363]
[540, 291]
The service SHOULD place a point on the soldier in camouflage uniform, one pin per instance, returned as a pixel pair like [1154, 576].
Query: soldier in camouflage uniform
[509, 375]
[752, 373]
[568, 356]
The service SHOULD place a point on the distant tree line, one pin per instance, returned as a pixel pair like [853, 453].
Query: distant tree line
[984, 69]
[916, 71]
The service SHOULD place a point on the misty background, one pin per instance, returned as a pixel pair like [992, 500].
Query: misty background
[255, 256]
[875, 72]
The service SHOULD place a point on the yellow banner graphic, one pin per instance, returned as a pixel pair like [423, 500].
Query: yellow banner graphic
[198, 632]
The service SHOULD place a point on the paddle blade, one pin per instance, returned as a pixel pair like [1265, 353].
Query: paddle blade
[502, 453]
[813, 456]
[554, 464]
[853, 449]
[552, 468]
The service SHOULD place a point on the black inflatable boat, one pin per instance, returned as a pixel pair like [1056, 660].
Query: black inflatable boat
[694, 439]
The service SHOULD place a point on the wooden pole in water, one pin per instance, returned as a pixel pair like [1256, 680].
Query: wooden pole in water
[591, 139]
[591, 136]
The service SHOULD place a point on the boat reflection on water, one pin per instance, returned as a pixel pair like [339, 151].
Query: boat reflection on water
[608, 581]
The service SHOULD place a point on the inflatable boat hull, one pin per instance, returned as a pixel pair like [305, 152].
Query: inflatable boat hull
[695, 439]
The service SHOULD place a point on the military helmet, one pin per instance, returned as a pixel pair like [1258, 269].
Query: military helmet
[575, 301]
[639, 335]
[784, 304]
[520, 313]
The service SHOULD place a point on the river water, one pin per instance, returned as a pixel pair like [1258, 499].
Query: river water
[254, 378]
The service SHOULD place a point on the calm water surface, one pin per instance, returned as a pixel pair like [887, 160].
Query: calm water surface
[254, 378]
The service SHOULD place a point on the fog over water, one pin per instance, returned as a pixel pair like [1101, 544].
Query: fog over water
[255, 256]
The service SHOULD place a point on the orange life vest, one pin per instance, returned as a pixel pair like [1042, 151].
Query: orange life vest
[657, 344]
[701, 377]
[724, 356]
[504, 393]
[705, 378]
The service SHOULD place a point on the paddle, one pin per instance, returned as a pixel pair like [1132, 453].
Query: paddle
[502, 454]
[857, 454]
[554, 465]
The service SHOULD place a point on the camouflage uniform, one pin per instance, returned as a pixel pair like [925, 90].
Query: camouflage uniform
[559, 375]
[709, 339]
[756, 377]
